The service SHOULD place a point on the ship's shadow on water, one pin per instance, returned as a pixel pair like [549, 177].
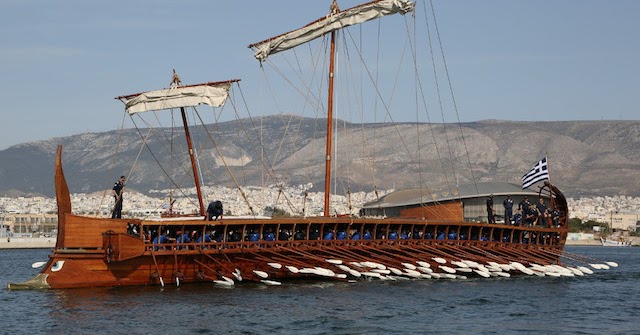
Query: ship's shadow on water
[605, 302]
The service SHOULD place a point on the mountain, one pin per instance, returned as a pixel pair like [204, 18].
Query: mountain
[586, 158]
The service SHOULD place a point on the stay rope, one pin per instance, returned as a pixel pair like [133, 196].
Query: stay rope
[455, 105]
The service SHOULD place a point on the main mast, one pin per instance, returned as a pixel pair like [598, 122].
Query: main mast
[327, 172]
[336, 20]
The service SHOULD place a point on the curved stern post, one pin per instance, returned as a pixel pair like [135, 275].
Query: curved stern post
[63, 199]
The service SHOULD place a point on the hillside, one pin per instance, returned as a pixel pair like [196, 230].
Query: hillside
[585, 157]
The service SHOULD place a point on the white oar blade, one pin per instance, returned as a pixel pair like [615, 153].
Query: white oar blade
[38, 264]
[261, 274]
[423, 264]
[585, 270]
[271, 282]
[409, 266]
[223, 282]
[275, 265]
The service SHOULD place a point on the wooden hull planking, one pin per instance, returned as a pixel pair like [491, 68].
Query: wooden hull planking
[107, 254]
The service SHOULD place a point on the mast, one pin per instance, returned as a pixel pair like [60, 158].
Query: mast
[336, 20]
[213, 94]
[327, 172]
[196, 177]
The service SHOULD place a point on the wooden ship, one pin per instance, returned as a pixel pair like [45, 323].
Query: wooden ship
[102, 252]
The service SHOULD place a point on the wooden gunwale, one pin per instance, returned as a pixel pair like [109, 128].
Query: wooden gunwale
[241, 225]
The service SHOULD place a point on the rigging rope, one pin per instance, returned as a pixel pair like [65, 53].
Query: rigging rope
[441, 106]
[268, 166]
[224, 161]
[113, 163]
[455, 105]
[307, 101]
[145, 145]
[386, 106]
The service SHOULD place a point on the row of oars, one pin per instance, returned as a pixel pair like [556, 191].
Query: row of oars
[393, 262]
[377, 266]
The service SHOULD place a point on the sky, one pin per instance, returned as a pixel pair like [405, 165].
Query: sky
[62, 63]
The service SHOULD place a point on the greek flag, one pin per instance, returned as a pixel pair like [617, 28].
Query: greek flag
[538, 173]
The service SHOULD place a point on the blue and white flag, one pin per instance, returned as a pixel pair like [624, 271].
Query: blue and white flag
[538, 173]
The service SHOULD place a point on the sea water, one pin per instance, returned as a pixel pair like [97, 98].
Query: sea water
[607, 302]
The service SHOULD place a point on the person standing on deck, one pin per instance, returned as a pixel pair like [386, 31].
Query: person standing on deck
[524, 205]
[490, 212]
[555, 217]
[531, 216]
[508, 209]
[543, 212]
[117, 190]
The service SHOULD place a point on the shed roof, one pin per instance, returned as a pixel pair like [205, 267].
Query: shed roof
[419, 196]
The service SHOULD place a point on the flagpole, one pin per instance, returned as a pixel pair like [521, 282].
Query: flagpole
[546, 157]
[552, 203]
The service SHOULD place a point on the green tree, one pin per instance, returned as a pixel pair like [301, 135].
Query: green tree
[276, 212]
[588, 225]
[578, 226]
[575, 225]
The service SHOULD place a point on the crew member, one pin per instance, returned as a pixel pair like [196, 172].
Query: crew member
[517, 218]
[508, 209]
[542, 212]
[555, 217]
[490, 216]
[524, 204]
[214, 210]
[117, 191]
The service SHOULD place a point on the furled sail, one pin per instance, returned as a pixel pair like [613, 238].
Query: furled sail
[212, 94]
[332, 22]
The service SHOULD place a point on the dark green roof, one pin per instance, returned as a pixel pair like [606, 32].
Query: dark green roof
[418, 196]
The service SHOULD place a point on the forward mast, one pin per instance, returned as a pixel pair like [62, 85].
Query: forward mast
[213, 94]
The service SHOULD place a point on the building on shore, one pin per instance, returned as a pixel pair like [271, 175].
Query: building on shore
[624, 220]
[28, 225]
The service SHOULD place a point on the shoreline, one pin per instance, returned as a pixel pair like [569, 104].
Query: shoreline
[583, 242]
[28, 243]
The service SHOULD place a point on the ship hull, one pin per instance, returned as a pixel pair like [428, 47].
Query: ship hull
[118, 257]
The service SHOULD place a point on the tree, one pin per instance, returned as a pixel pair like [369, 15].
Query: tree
[578, 226]
[588, 225]
[276, 212]
[575, 225]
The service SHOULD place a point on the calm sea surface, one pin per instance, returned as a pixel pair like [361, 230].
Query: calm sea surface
[607, 302]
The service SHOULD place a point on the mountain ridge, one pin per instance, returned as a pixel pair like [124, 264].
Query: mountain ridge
[586, 158]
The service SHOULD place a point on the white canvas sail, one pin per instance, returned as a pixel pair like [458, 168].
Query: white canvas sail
[213, 95]
[355, 15]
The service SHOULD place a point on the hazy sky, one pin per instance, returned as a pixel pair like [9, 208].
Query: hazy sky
[63, 62]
